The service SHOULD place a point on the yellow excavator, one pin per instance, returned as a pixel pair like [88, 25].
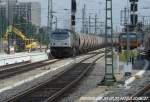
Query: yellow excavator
[29, 44]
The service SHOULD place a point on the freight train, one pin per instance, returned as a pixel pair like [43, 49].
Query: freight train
[66, 43]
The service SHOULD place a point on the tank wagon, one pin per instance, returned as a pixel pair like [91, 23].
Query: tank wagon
[66, 43]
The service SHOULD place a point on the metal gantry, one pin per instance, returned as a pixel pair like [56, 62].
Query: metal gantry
[109, 68]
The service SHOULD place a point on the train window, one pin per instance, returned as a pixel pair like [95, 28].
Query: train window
[60, 35]
[131, 36]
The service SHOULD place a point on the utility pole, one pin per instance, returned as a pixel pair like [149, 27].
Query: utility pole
[86, 27]
[89, 24]
[96, 24]
[9, 19]
[102, 27]
[83, 19]
[56, 22]
[127, 32]
[50, 17]
[123, 17]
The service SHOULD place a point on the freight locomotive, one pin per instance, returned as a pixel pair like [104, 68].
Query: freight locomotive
[66, 43]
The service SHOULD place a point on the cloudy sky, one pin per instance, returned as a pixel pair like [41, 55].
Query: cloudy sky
[92, 6]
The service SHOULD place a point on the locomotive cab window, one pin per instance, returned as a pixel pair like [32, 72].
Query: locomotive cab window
[131, 36]
[60, 36]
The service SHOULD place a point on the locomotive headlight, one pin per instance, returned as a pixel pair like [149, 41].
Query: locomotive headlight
[65, 43]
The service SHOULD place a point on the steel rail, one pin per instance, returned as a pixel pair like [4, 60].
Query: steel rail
[56, 86]
[8, 72]
[13, 65]
[140, 93]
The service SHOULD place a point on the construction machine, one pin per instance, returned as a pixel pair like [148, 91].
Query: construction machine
[29, 44]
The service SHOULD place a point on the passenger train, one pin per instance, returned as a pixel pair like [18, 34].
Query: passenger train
[135, 40]
[66, 43]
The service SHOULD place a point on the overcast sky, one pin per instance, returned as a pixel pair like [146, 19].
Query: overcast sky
[92, 6]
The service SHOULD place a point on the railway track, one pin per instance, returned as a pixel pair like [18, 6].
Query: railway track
[144, 92]
[50, 90]
[13, 65]
[10, 71]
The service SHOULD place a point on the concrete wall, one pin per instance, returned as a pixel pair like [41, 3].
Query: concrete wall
[21, 57]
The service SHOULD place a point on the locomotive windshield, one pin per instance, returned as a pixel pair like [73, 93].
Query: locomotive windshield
[131, 36]
[60, 35]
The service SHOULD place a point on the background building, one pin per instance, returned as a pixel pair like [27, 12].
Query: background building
[25, 16]
[30, 11]
[19, 13]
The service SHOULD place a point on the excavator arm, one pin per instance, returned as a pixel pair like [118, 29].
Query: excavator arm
[29, 44]
[16, 31]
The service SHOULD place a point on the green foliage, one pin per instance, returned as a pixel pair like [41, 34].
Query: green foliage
[25, 26]
[42, 36]
[131, 54]
[3, 25]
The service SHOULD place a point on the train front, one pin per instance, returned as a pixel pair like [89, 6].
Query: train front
[134, 42]
[60, 43]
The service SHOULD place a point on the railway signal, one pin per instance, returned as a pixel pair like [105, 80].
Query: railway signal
[134, 9]
[73, 12]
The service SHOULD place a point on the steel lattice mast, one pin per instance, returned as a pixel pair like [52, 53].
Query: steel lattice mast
[50, 17]
[109, 67]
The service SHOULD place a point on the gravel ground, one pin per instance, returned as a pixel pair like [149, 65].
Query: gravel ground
[28, 83]
[9, 87]
[88, 83]
[127, 91]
